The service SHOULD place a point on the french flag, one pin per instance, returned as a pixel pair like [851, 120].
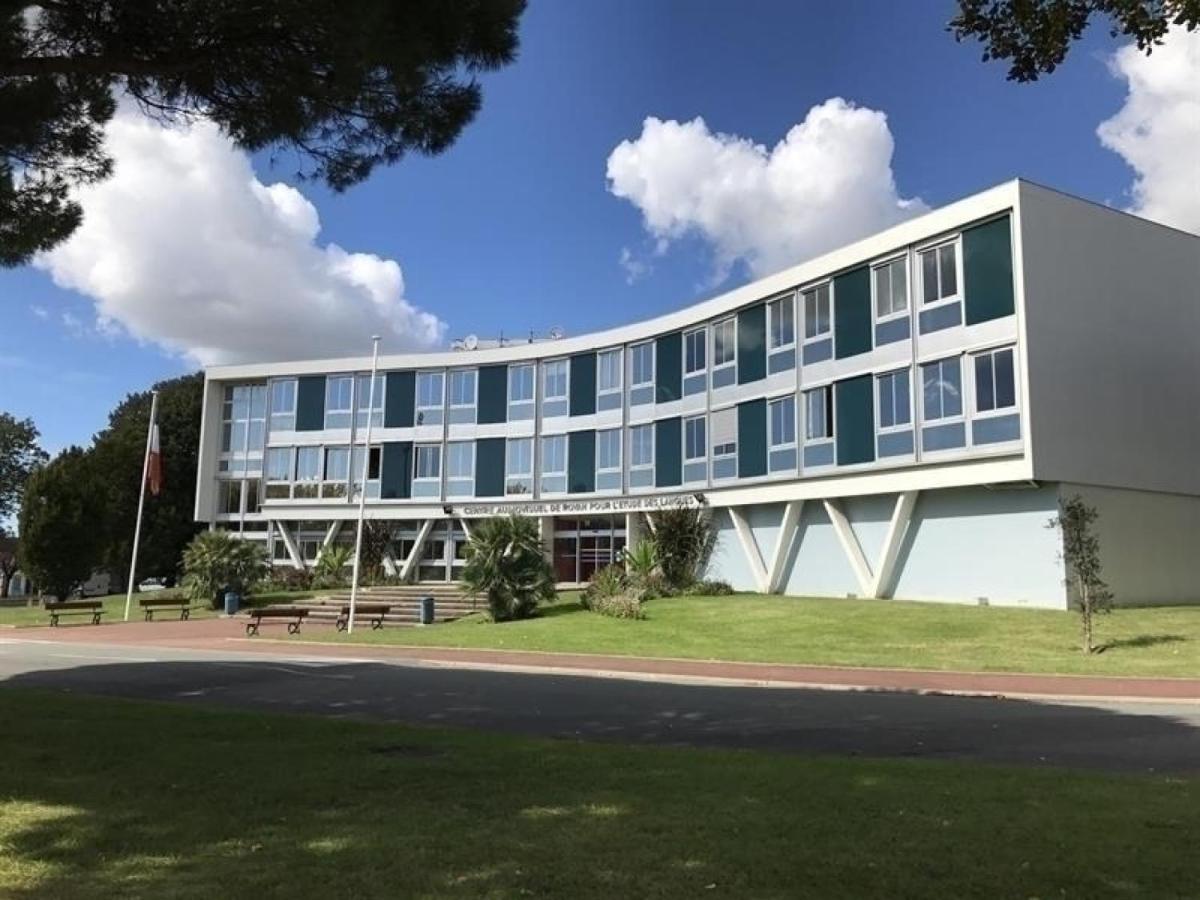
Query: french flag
[154, 472]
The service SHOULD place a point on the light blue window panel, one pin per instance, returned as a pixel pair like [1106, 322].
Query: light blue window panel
[724, 377]
[781, 361]
[337, 401]
[608, 401]
[430, 398]
[462, 415]
[608, 481]
[695, 384]
[460, 487]
[693, 472]
[818, 351]
[941, 384]
[944, 437]
[552, 408]
[725, 467]
[520, 412]
[426, 489]
[818, 455]
[641, 478]
[783, 460]
[891, 331]
[893, 401]
[896, 443]
[640, 395]
[554, 484]
[941, 317]
[996, 430]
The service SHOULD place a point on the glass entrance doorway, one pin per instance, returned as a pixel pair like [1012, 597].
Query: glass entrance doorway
[582, 546]
[444, 553]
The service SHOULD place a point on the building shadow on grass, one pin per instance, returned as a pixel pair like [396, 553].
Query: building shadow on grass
[1142, 640]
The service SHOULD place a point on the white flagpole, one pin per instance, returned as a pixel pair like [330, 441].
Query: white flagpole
[137, 530]
[362, 488]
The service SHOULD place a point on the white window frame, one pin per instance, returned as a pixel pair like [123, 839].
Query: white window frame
[455, 445]
[620, 450]
[545, 472]
[646, 428]
[990, 352]
[919, 267]
[772, 347]
[362, 387]
[815, 289]
[633, 350]
[702, 333]
[830, 415]
[291, 468]
[441, 404]
[348, 409]
[712, 346]
[566, 365]
[512, 477]
[880, 428]
[782, 445]
[320, 471]
[427, 479]
[703, 418]
[474, 373]
[964, 402]
[284, 413]
[887, 264]
[603, 390]
[522, 367]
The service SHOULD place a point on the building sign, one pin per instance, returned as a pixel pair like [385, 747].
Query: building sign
[578, 507]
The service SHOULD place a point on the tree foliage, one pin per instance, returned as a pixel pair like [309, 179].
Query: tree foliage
[1081, 555]
[507, 563]
[61, 523]
[8, 563]
[19, 456]
[216, 561]
[1034, 36]
[685, 538]
[344, 86]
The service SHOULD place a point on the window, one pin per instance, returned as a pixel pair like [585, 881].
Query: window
[243, 428]
[231, 497]
[308, 471]
[694, 352]
[460, 460]
[428, 463]
[891, 288]
[781, 315]
[518, 466]
[283, 405]
[641, 446]
[608, 450]
[894, 404]
[462, 388]
[995, 384]
[554, 464]
[782, 421]
[942, 389]
[817, 322]
[338, 391]
[724, 343]
[374, 459]
[520, 384]
[554, 380]
[818, 414]
[364, 400]
[337, 463]
[429, 390]
[723, 438]
[608, 366]
[939, 273]
[694, 442]
[279, 464]
[641, 364]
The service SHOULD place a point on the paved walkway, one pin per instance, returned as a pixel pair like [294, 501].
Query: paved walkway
[229, 635]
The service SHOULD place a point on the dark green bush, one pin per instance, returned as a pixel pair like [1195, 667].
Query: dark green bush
[507, 563]
[708, 588]
[684, 538]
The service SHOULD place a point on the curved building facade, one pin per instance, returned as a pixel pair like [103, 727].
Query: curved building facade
[898, 417]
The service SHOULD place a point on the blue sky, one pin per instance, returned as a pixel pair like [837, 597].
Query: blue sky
[514, 228]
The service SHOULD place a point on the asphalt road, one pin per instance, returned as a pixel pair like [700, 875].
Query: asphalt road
[1101, 735]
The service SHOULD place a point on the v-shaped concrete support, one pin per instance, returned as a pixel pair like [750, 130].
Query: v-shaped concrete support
[292, 549]
[875, 583]
[410, 561]
[750, 548]
[787, 534]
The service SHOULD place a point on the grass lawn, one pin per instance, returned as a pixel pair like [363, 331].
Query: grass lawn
[114, 609]
[185, 802]
[887, 633]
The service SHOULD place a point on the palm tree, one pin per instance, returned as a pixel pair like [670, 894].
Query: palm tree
[506, 562]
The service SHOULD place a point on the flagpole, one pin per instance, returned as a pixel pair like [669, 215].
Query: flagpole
[137, 530]
[362, 488]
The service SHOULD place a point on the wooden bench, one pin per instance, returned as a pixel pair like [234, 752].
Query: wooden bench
[373, 612]
[150, 604]
[93, 608]
[295, 613]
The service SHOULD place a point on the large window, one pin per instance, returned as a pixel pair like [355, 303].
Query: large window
[781, 322]
[428, 463]
[641, 456]
[818, 414]
[554, 380]
[891, 288]
[695, 444]
[641, 364]
[995, 382]
[243, 428]
[608, 379]
[430, 389]
[782, 422]
[308, 471]
[724, 343]
[694, 352]
[460, 469]
[554, 464]
[365, 398]
[520, 384]
[894, 404]
[339, 391]
[817, 318]
[518, 466]
[723, 438]
[374, 466]
[942, 389]
[939, 273]
[608, 459]
[462, 388]
[283, 405]
[337, 471]
[279, 464]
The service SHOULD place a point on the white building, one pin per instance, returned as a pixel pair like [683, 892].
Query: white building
[896, 418]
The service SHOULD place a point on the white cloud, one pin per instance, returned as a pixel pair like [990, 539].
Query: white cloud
[829, 181]
[1157, 131]
[635, 267]
[186, 248]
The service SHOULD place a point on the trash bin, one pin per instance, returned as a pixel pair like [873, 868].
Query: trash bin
[426, 611]
[232, 602]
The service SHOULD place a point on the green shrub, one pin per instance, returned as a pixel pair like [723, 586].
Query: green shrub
[215, 562]
[507, 564]
[625, 605]
[284, 578]
[606, 582]
[708, 588]
[330, 569]
[685, 539]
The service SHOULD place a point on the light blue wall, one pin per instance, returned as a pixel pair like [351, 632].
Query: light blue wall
[816, 565]
[729, 563]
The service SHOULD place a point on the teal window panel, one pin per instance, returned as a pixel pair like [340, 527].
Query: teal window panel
[395, 473]
[752, 344]
[310, 403]
[581, 461]
[852, 321]
[668, 452]
[752, 438]
[854, 420]
[996, 429]
[400, 399]
[583, 384]
[668, 368]
[493, 395]
[988, 271]
[489, 467]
